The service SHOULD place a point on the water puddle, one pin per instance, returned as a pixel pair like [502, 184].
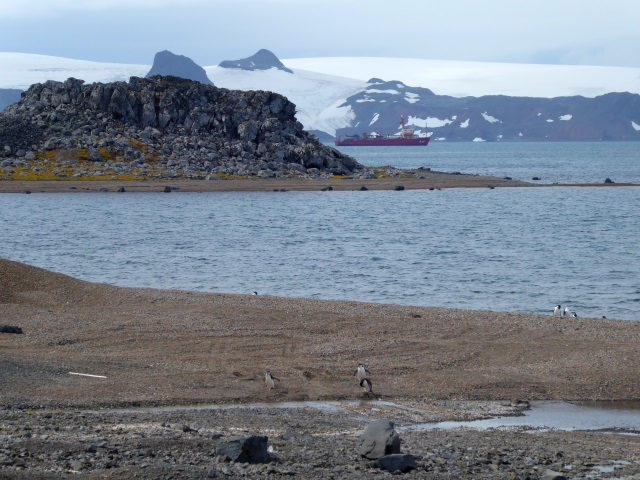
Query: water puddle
[617, 416]
[622, 417]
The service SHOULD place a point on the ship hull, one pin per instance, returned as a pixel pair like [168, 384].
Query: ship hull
[366, 142]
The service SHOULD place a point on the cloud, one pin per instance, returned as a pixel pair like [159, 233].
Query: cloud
[44, 8]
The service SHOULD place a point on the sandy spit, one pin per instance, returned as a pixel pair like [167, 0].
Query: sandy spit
[161, 347]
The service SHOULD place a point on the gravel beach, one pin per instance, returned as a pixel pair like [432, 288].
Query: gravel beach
[146, 348]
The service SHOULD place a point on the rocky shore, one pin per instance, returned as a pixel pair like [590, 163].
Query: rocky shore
[140, 348]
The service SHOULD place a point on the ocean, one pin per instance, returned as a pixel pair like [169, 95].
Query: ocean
[505, 249]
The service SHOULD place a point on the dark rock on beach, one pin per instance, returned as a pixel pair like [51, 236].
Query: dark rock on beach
[10, 329]
[244, 449]
[380, 439]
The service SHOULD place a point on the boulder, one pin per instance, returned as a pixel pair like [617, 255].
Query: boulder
[10, 329]
[552, 475]
[379, 439]
[244, 449]
[397, 462]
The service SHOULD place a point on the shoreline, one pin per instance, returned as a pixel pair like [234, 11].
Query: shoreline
[138, 347]
[431, 181]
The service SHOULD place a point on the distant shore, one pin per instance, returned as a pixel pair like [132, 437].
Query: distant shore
[428, 181]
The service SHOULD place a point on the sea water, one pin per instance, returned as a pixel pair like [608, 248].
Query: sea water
[505, 249]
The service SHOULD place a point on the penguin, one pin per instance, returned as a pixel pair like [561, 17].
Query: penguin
[270, 379]
[366, 384]
[557, 311]
[566, 312]
[574, 314]
[361, 372]
[254, 293]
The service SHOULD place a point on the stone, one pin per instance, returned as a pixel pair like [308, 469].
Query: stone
[608, 180]
[379, 439]
[244, 449]
[552, 475]
[10, 329]
[397, 462]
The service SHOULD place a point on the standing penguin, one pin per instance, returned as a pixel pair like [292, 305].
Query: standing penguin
[366, 384]
[557, 311]
[270, 379]
[566, 312]
[361, 372]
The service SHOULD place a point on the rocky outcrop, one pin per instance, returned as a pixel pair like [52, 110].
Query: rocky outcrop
[262, 60]
[160, 127]
[167, 63]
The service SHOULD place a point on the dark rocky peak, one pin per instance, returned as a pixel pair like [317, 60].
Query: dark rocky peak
[263, 60]
[167, 63]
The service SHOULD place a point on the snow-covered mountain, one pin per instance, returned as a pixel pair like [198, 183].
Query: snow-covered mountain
[335, 95]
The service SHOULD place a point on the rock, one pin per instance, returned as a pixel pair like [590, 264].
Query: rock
[517, 402]
[10, 329]
[399, 188]
[244, 449]
[170, 126]
[552, 475]
[379, 439]
[608, 180]
[396, 463]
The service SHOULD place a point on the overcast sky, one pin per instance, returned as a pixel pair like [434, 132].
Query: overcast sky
[575, 32]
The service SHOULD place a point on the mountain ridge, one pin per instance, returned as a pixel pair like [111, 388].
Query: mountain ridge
[328, 106]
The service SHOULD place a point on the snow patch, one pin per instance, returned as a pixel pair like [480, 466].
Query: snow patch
[478, 139]
[465, 124]
[433, 122]
[489, 118]
[566, 117]
[390, 92]
[635, 126]
[374, 119]
[411, 97]
[549, 120]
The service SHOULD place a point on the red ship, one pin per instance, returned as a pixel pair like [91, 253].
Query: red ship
[405, 137]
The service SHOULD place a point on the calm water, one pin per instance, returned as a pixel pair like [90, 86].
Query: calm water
[521, 249]
[576, 162]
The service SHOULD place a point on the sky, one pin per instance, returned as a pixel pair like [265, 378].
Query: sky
[570, 32]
